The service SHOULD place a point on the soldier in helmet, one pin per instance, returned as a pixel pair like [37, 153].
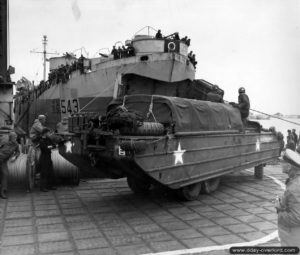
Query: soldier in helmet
[243, 104]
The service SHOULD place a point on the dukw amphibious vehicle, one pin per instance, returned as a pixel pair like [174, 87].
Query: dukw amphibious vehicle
[184, 144]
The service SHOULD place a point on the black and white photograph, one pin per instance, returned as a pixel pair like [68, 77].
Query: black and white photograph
[149, 127]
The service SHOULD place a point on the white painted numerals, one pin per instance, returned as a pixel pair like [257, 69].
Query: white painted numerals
[69, 105]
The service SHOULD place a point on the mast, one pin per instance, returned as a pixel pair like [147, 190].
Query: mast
[44, 52]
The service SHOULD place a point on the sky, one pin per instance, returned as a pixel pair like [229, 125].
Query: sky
[249, 43]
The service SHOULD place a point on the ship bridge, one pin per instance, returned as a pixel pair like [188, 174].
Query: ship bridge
[149, 44]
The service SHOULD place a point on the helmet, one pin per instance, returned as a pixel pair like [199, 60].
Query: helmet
[242, 90]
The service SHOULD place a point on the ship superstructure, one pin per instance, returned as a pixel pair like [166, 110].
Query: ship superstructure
[157, 66]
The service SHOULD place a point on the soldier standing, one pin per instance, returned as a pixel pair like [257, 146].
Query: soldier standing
[244, 104]
[290, 141]
[295, 137]
[46, 166]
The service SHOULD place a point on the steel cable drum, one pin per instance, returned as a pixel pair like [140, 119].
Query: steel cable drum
[17, 170]
[63, 169]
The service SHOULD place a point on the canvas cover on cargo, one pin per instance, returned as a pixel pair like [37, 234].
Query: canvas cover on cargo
[187, 115]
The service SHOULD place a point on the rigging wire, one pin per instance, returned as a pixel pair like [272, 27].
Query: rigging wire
[270, 115]
[275, 116]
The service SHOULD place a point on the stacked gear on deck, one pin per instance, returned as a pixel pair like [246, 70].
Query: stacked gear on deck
[132, 122]
[183, 115]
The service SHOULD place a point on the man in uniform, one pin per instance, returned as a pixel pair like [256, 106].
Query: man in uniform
[124, 52]
[193, 60]
[243, 105]
[114, 52]
[290, 141]
[37, 128]
[62, 127]
[80, 63]
[158, 34]
[7, 150]
[295, 137]
[46, 166]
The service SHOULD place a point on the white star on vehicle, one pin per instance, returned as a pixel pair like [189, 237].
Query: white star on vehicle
[178, 155]
[69, 146]
[257, 145]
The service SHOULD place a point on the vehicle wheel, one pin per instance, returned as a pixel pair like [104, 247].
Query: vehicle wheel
[259, 171]
[210, 185]
[138, 186]
[190, 192]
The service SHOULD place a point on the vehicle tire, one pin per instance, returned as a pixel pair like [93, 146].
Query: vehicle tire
[259, 171]
[190, 192]
[210, 185]
[138, 186]
[151, 128]
[146, 129]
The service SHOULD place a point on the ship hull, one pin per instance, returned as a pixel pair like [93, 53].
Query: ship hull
[93, 90]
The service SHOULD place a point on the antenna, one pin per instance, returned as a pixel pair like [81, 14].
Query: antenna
[45, 54]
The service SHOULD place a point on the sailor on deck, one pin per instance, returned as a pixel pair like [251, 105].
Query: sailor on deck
[114, 52]
[158, 34]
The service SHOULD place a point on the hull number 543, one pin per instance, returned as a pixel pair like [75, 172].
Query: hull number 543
[69, 105]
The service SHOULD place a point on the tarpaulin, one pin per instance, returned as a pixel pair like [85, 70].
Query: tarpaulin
[186, 114]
